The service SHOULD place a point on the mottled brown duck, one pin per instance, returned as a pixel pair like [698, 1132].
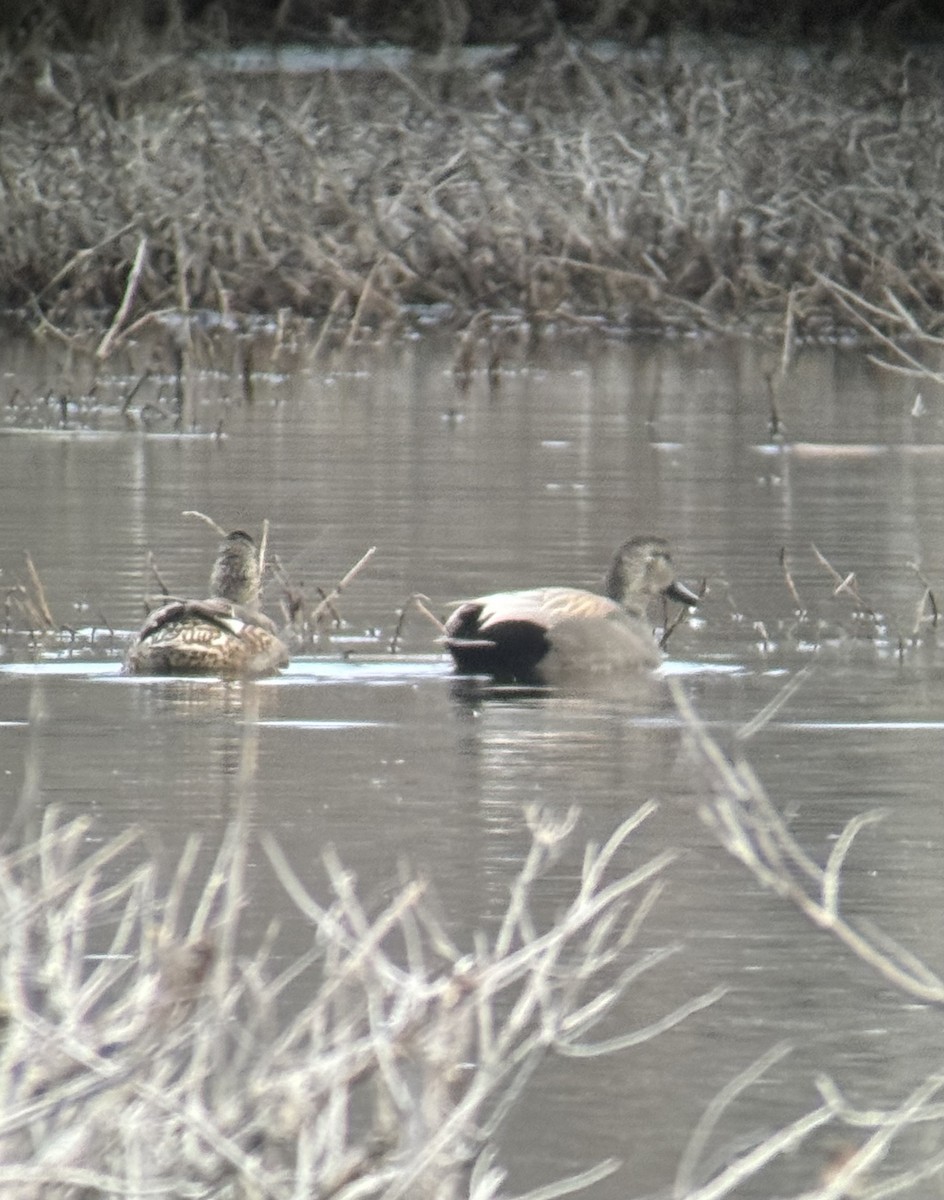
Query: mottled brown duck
[549, 634]
[225, 635]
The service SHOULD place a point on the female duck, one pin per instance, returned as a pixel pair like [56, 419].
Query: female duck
[549, 633]
[223, 635]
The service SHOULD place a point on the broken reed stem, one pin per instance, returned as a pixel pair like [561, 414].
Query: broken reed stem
[786, 353]
[845, 583]
[339, 587]
[854, 304]
[39, 593]
[217, 529]
[263, 543]
[788, 578]
[362, 302]
[927, 598]
[421, 603]
[776, 379]
[127, 300]
[152, 567]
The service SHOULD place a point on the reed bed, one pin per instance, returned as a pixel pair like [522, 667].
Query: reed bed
[690, 185]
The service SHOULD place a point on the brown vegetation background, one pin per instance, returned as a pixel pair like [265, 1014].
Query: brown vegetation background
[682, 182]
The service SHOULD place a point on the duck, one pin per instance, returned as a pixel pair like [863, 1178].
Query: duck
[224, 635]
[546, 634]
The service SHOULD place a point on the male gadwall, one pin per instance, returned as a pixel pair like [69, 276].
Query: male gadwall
[549, 633]
[223, 635]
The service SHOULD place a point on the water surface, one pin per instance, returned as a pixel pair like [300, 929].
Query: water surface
[389, 758]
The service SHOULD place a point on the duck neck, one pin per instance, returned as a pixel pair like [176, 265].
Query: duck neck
[236, 575]
[618, 587]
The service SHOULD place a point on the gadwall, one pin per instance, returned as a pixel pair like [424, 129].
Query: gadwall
[548, 633]
[223, 635]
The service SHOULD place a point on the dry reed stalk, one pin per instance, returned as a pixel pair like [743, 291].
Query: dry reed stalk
[263, 545]
[131, 287]
[421, 603]
[38, 594]
[153, 570]
[897, 316]
[788, 579]
[713, 205]
[927, 601]
[844, 584]
[328, 601]
[200, 516]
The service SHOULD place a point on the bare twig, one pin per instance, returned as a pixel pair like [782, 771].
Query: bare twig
[421, 603]
[788, 579]
[104, 346]
[340, 586]
[856, 307]
[217, 529]
[844, 583]
[39, 593]
[753, 831]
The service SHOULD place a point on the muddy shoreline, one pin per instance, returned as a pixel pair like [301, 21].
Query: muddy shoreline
[690, 185]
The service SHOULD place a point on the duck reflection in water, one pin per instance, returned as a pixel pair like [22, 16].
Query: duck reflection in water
[225, 635]
[560, 634]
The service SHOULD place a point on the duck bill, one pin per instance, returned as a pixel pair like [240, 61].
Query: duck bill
[681, 594]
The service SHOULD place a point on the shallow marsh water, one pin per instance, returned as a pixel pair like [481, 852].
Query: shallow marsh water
[533, 478]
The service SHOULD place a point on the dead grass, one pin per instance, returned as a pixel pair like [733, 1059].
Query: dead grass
[693, 186]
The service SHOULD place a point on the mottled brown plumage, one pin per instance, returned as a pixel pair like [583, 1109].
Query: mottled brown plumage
[225, 634]
[546, 634]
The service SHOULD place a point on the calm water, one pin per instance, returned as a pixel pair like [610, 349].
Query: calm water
[389, 758]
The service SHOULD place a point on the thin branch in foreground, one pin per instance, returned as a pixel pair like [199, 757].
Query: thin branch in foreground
[165, 1060]
[687, 1170]
[770, 710]
[887, 1126]
[750, 828]
[263, 546]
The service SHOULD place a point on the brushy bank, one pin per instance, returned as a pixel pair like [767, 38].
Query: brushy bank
[688, 185]
[169, 1063]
